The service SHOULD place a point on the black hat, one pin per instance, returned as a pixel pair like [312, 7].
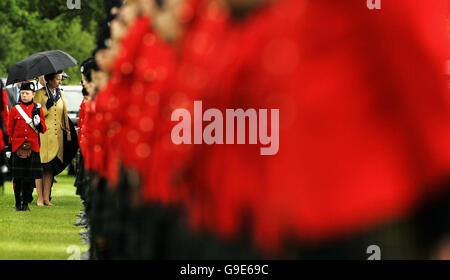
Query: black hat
[109, 4]
[27, 86]
[87, 66]
[65, 76]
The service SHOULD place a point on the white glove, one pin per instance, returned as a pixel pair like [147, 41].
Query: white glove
[36, 120]
[4, 169]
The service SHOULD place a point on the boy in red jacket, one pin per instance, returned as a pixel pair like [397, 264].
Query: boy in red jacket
[26, 121]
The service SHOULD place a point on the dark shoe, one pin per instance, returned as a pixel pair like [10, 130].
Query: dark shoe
[17, 198]
[82, 215]
[85, 256]
[85, 240]
[30, 198]
[81, 222]
[84, 233]
[26, 208]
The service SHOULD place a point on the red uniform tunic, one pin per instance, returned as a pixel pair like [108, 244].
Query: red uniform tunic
[362, 131]
[19, 131]
[102, 149]
[140, 71]
[87, 146]
[152, 71]
[4, 110]
[81, 119]
[107, 117]
[4, 114]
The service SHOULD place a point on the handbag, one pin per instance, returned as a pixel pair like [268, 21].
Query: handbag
[70, 147]
[24, 151]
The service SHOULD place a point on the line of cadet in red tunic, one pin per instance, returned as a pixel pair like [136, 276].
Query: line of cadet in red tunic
[364, 122]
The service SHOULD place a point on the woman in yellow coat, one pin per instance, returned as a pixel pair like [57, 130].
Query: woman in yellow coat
[53, 102]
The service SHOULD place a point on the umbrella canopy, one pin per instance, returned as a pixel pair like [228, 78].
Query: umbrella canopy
[40, 64]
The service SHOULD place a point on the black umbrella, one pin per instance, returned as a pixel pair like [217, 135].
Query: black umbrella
[40, 64]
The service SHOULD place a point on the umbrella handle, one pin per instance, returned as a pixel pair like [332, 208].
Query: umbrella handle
[49, 94]
[47, 91]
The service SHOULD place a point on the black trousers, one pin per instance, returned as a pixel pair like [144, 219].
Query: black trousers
[23, 192]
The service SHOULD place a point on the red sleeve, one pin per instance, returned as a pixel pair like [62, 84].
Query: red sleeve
[10, 126]
[81, 114]
[4, 113]
[44, 127]
[5, 109]
[2, 143]
[5, 101]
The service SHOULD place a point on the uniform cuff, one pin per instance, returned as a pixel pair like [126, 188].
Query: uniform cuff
[40, 128]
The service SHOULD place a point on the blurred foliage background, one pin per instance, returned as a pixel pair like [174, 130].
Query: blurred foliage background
[30, 26]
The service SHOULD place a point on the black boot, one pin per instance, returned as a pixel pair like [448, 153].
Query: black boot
[22, 197]
[28, 187]
[17, 191]
[29, 195]
[25, 207]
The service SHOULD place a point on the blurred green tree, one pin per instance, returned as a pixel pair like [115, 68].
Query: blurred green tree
[30, 26]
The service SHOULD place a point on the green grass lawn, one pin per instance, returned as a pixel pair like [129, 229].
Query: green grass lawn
[44, 233]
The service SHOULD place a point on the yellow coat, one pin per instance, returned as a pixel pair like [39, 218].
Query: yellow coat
[56, 120]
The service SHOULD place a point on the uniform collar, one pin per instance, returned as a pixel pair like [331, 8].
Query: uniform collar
[27, 104]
